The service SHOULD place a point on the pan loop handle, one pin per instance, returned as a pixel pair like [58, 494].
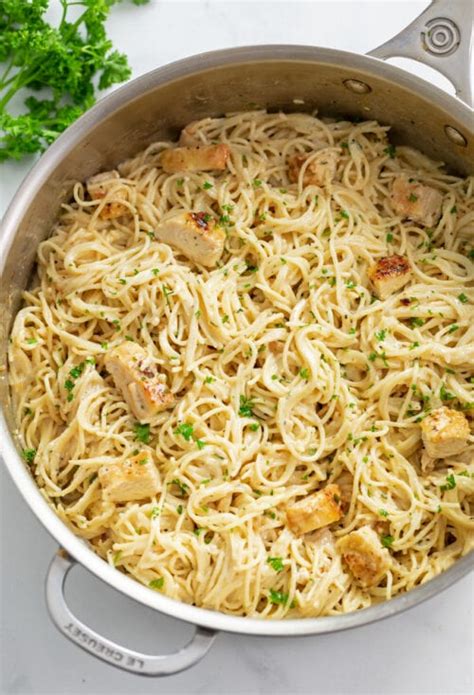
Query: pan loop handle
[107, 650]
[440, 37]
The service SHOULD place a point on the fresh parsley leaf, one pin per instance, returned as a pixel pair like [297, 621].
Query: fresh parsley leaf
[450, 483]
[186, 430]
[276, 563]
[29, 456]
[391, 151]
[462, 298]
[63, 61]
[246, 407]
[278, 597]
[387, 540]
[142, 432]
[157, 584]
[445, 395]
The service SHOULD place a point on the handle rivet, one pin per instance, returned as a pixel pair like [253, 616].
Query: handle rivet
[455, 136]
[357, 86]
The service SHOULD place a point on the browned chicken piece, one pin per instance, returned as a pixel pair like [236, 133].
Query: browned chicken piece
[276, 347]
[363, 553]
[204, 158]
[99, 186]
[444, 432]
[134, 479]
[136, 376]
[416, 202]
[315, 511]
[320, 171]
[389, 274]
[195, 234]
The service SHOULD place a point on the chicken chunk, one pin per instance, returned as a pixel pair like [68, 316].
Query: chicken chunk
[319, 172]
[315, 511]
[136, 376]
[444, 432]
[276, 347]
[98, 187]
[416, 202]
[389, 274]
[204, 158]
[133, 479]
[363, 553]
[195, 234]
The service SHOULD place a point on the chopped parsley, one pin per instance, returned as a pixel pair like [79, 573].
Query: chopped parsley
[387, 540]
[453, 327]
[29, 456]
[445, 395]
[453, 209]
[344, 214]
[462, 298]
[246, 407]
[142, 432]
[412, 198]
[416, 321]
[157, 584]
[381, 335]
[183, 487]
[166, 291]
[276, 563]
[383, 512]
[155, 271]
[278, 597]
[186, 430]
[450, 483]
[207, 185]
[391, 151]
[256, 183]
[389, 238]
[304, 373]
[209, 380]
[254, 426]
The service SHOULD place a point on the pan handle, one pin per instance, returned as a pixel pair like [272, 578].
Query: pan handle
[105, 649]
[440, 37]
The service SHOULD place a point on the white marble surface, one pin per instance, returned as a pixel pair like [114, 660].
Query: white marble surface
[427, 650]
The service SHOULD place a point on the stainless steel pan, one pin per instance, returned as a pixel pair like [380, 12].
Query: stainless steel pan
[156, 106]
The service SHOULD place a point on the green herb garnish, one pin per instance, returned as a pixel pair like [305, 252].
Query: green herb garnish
[68, 59]
[276, 563]
[142, 432]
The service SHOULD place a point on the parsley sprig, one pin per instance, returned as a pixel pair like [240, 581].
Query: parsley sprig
[66, 59]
